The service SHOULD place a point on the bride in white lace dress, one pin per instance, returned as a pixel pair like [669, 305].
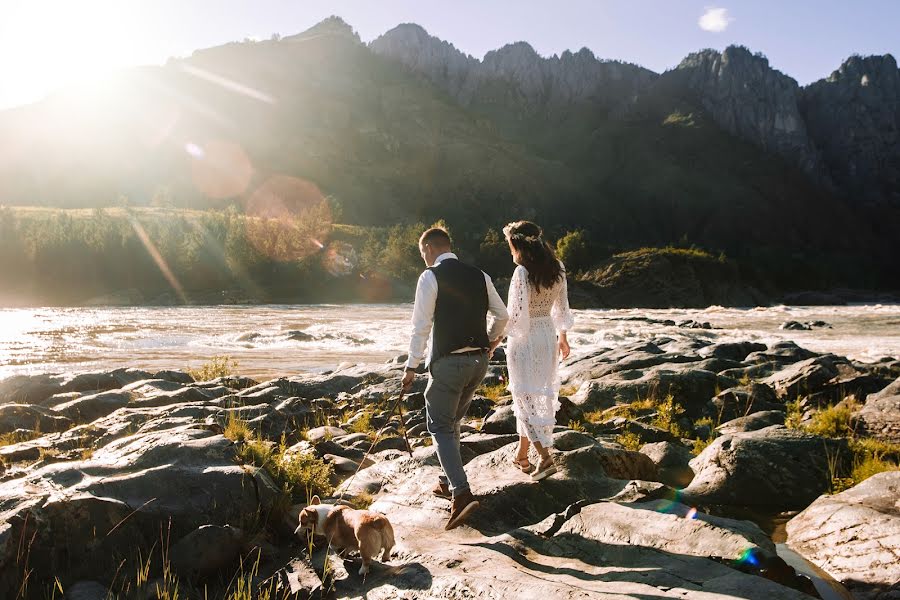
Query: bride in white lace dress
[539, 317]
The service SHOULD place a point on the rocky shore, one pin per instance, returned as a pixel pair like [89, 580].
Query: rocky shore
[136, 484]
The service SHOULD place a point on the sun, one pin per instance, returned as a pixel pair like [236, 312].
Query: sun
[48, 45]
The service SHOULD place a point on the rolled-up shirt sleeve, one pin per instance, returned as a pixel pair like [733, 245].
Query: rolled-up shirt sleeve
[422, 318]
[497, 310]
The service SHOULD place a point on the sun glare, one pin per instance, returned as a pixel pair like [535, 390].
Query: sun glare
[45, 45]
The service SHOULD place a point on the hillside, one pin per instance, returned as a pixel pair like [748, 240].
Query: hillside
[722, 151]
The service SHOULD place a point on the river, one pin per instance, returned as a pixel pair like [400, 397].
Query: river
[273, 340]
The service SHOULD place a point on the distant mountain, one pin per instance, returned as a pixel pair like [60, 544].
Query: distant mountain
[722, 151]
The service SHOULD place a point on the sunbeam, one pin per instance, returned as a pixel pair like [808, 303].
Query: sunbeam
[228, 84]
[158, 259]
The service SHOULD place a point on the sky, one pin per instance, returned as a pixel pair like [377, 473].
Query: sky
[48, 44]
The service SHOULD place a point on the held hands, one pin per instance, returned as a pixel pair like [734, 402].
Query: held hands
[494, 346]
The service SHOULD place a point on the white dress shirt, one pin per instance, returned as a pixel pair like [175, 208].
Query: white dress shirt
[423, 313]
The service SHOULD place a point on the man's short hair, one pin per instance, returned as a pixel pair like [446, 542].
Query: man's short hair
[436, 237]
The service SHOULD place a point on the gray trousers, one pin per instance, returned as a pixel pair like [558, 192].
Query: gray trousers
[454, 379]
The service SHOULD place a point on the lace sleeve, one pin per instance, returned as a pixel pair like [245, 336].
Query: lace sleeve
[563, 319]
[517, 304]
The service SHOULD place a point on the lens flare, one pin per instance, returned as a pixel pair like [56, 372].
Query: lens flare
[672, 505]
[691, 514]
[228, 84]
[158, 259]
[750, 556]
[220, 169]
[340, 259]
[375, 288]
[194, 150]
[286, 218]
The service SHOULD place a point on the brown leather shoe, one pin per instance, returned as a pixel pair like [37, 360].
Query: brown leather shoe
[442, 490]
[463, 506]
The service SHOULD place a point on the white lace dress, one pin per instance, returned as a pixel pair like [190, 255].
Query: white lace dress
[532, 355]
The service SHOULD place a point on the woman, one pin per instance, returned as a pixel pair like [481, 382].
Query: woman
[539, 317]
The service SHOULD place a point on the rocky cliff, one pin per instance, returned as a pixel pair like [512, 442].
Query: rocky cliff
[853, 116]
[841, 131]
[751, 100]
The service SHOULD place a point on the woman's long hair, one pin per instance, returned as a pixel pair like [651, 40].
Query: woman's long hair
[535, 254]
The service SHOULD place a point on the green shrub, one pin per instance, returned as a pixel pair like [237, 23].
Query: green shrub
[794, 415]
[297, 474]
[236, 429]
[629, 440]
[833, 421]
[667, 413]
[573, 250]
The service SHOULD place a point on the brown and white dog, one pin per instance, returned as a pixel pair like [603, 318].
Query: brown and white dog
[348, 529]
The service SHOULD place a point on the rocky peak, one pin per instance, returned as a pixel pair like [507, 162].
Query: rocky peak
[750, 99]
[438, 61]
[867, 70]
[854, 117]
[534, 80]
[333, 25]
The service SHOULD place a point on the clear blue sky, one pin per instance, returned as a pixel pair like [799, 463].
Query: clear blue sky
[48, 43]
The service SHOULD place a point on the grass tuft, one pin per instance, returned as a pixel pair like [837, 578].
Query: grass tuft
[493, 392]
[833, 421]
[217, 366]
[236, 429]
[629, 440]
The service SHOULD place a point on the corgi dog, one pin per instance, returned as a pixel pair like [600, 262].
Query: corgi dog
[348, 529]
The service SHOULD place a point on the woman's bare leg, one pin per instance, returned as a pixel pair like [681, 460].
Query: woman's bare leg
[542, 450]
[522, 454]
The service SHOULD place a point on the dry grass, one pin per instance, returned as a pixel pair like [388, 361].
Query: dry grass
[236, 429]
[297, 474]
[833, 421]
[493, 392]
[630, 441]
[217, 366]
[15, 437]
[576, 425]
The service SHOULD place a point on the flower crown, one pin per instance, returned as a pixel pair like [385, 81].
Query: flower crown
[521, 237]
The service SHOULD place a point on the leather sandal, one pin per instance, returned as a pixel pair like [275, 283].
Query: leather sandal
[524, 464]
[545, 469]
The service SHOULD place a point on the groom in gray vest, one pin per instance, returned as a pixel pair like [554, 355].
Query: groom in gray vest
[453, 298]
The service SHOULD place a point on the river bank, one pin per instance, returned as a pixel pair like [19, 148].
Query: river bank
[654, 439]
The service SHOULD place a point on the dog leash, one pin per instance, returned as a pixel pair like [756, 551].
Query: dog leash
[398, 407]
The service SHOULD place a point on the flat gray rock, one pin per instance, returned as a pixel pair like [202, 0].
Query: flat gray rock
[855, 535]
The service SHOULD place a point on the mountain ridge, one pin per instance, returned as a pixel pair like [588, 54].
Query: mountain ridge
[409, 129]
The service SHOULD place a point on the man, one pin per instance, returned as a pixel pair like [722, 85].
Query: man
[453, 298]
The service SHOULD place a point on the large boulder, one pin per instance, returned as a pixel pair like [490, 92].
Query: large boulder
[35, 389]
[736, 351]
[825, 379]
[35, 418]
[855, 536]
[692, 388]
[771, 468]
[752, 422]
[625, 358]
[89, 408]
[880, 416]
[672, 461]
[741, 401]
[206, 550]
[587, 469]
[179, 478]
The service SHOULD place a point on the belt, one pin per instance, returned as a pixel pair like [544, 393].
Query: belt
[470, 352]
